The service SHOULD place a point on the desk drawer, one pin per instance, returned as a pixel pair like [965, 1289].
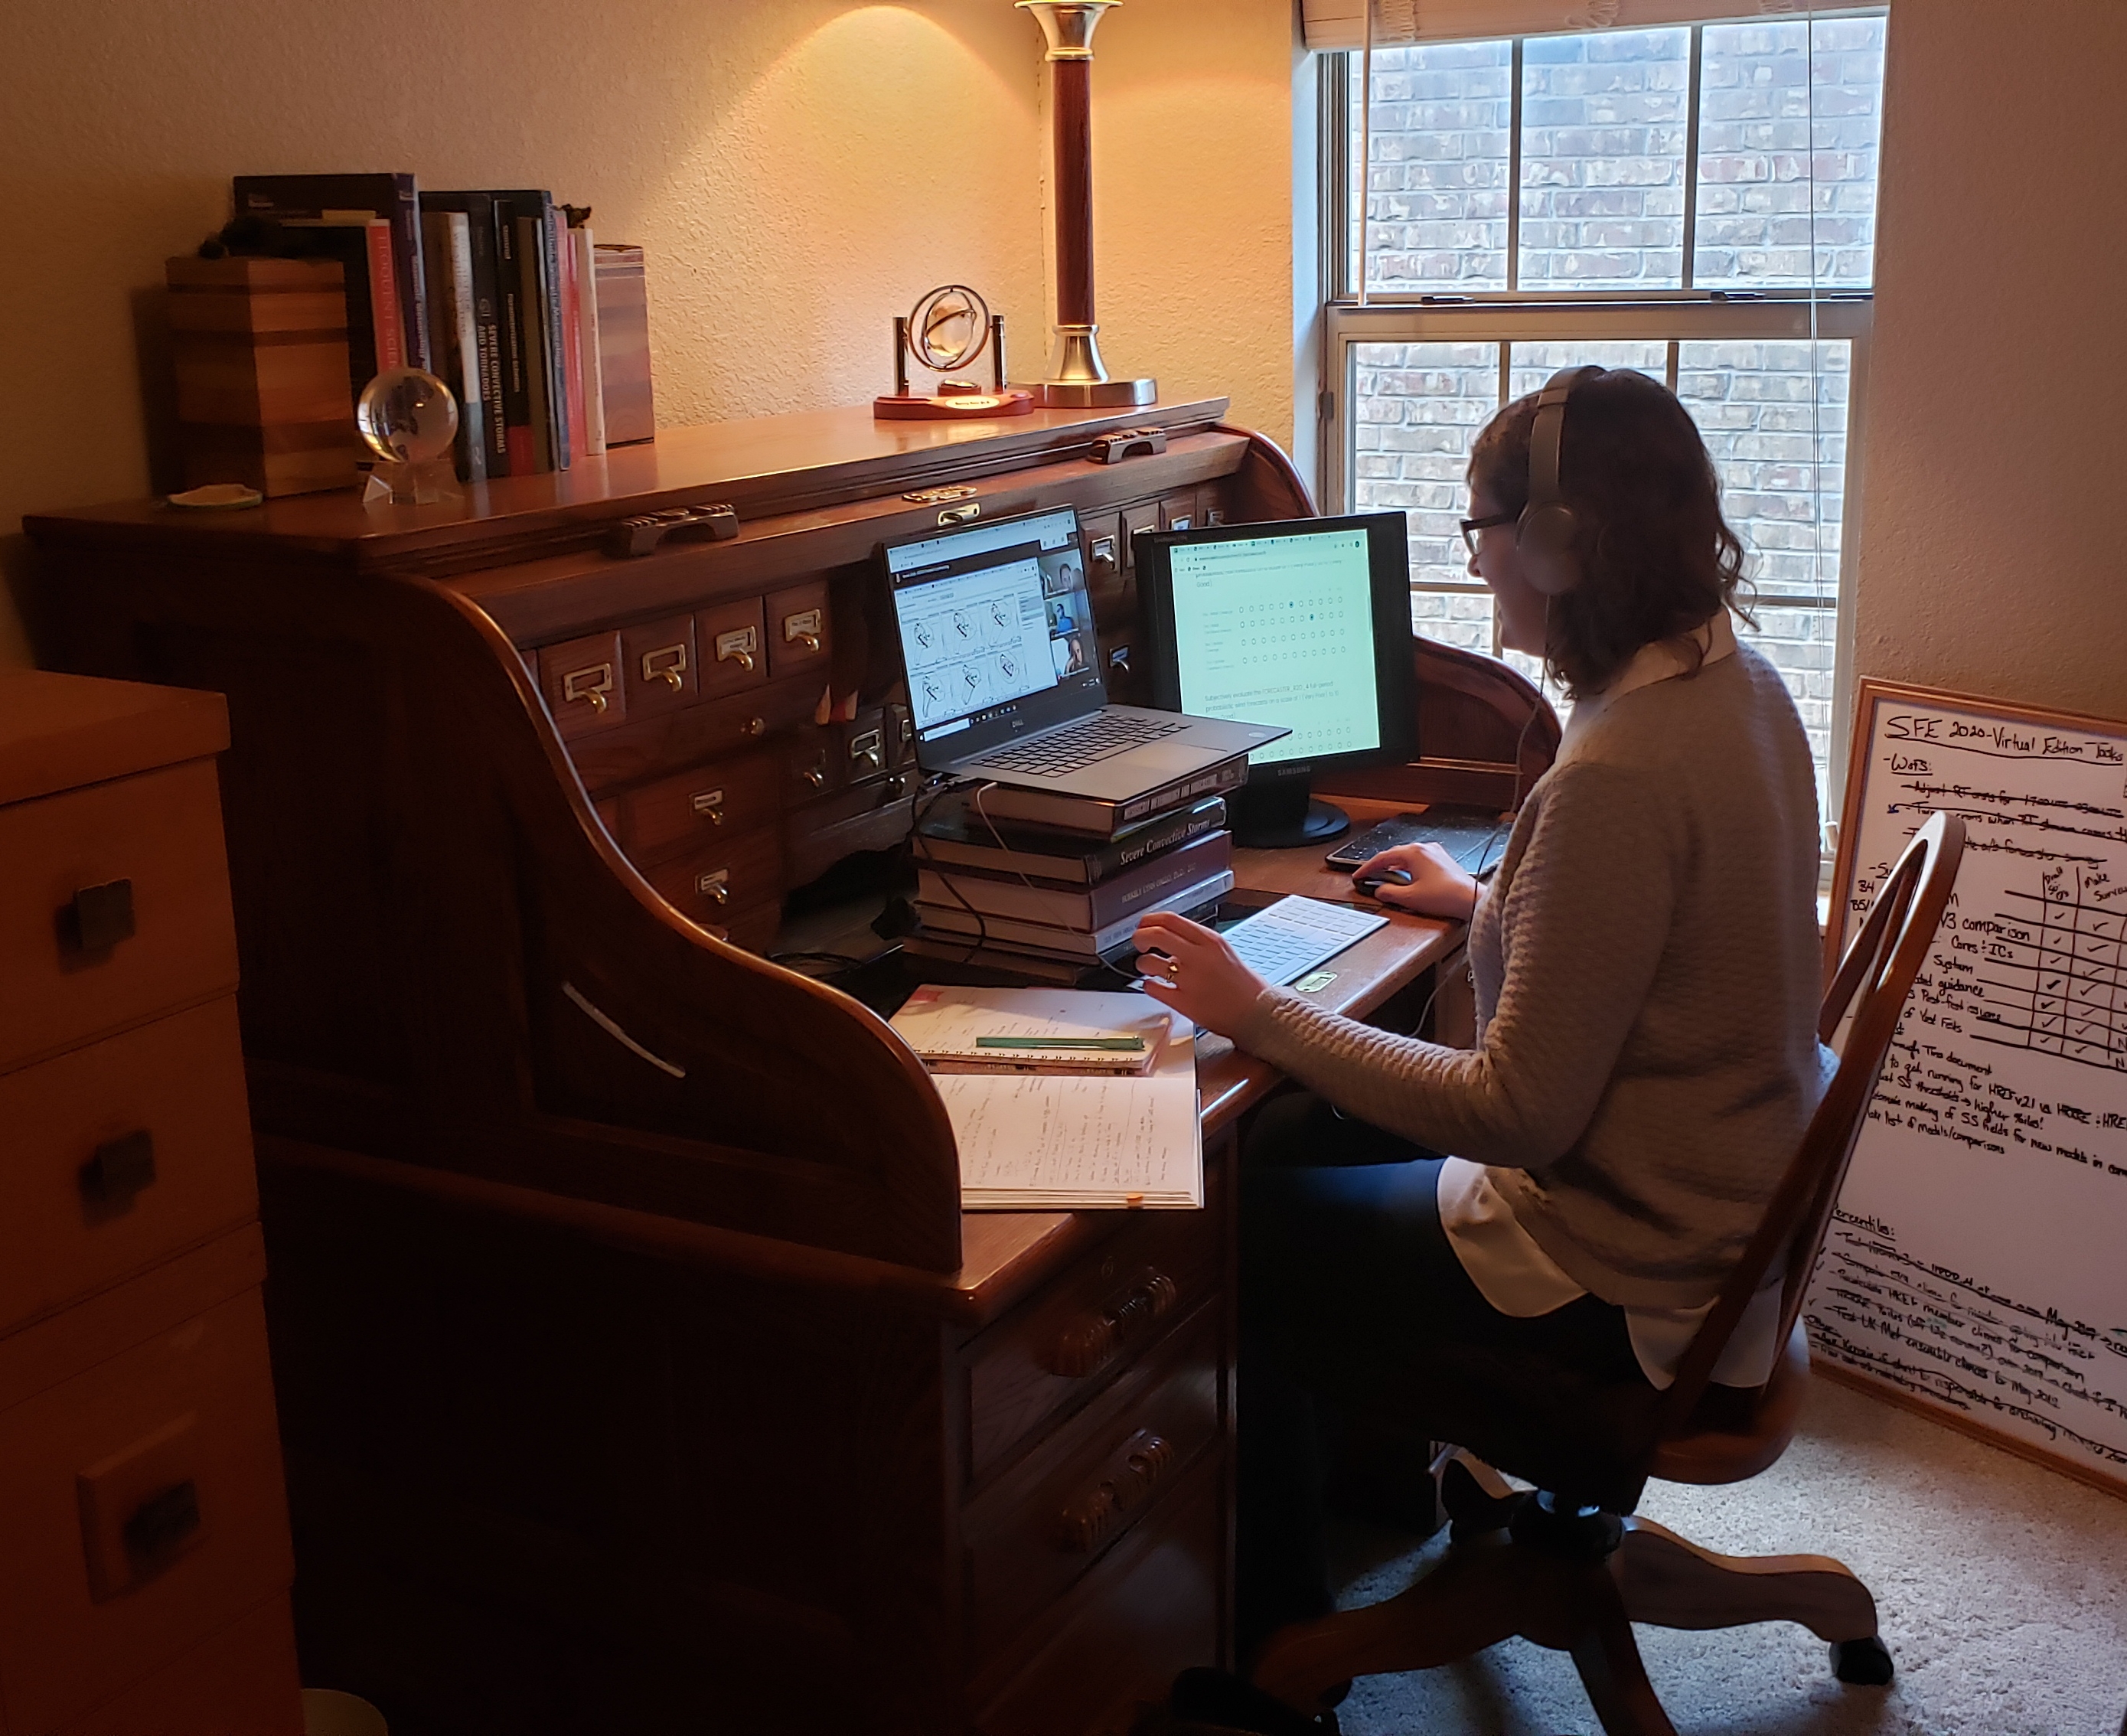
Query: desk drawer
[114, 907]
[120, 1154]
[1147, 1613]
[1030, 1537]
[714, 884]
[1067, 1340]
[243, 1682]
[141, 1503]
[721, 799]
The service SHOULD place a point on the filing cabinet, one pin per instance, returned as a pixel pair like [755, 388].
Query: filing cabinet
[144, 1585]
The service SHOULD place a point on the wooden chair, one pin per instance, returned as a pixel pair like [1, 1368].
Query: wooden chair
[1568, 1566]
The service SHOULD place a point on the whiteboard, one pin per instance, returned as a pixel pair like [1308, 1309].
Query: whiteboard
[1977, 1260]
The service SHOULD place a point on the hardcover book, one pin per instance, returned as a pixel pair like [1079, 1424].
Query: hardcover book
[391, 199]
[1096, 907]
[956, 836]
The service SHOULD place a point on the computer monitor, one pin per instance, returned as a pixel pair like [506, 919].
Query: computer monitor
[1304, 622]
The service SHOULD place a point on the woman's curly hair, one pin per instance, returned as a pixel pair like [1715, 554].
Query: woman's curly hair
[1656, 557]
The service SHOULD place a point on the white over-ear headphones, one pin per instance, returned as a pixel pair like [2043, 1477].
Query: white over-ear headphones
[1545, 534]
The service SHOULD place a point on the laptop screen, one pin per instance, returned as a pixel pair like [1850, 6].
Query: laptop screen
[997, 631]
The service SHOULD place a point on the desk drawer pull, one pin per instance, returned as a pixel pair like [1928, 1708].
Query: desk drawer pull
[710, 805]
[119, 1169]
[98, 918]
[716, 885]
[1126, 1482]
[737, 647]
[667, 663]
[802, 629]
[1091, 1344]
[593, 684]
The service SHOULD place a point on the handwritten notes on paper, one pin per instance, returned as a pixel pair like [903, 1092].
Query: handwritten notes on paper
[1033, 1142]
[1975, 1260]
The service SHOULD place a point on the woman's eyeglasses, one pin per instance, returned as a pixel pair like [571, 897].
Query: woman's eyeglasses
[1470, 527]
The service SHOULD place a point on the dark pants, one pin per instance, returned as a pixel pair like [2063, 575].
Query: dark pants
[1345, 1268]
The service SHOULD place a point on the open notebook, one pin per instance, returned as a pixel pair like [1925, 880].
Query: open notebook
[1049, 1142]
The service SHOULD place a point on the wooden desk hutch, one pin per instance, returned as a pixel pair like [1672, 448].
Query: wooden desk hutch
[636, 1367]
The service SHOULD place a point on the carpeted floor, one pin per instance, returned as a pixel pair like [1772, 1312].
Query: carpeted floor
[2001, 1588]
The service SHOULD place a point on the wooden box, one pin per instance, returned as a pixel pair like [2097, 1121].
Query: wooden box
[260, 350]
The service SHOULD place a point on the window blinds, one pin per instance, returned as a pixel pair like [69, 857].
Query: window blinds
[1342, 23]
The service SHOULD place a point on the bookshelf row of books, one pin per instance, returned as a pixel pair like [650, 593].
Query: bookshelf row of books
[541, 332]
[1049, 901]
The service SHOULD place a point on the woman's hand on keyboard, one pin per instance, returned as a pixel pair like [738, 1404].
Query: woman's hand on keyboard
[1201, 976]
[1439, 885]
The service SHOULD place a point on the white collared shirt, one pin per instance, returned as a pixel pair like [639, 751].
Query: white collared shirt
[1510, 1271]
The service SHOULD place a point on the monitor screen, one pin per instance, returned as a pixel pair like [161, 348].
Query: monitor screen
[996, 630]
[1280, 629]
[1301, 622]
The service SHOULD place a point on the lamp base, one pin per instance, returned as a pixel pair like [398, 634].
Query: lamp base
[1095, 394]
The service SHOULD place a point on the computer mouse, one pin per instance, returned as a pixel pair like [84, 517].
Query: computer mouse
[1371, 884]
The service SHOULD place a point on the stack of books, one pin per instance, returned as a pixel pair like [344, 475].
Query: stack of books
[996, 887]
[497, 293]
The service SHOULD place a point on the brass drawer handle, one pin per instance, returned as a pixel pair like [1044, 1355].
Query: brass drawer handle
[753, 726]
[710, 805]
[1126, 1482]
[717, 885]
[1091, 1345]
[593, 684]
[805, 628]
[667, 663]
[867, 751]
[816, 775]
[738, 647]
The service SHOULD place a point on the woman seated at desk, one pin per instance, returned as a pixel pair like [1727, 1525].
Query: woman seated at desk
[1646, 972]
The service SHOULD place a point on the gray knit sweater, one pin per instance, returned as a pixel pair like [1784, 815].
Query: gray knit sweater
[1646, 967]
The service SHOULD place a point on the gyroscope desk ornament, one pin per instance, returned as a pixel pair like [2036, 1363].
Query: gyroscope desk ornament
[949, 329]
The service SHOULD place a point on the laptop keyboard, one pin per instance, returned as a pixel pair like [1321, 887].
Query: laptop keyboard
[1077, 746]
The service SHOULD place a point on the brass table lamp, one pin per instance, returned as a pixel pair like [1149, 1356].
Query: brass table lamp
[1077, 379]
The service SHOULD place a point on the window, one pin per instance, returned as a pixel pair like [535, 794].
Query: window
[1666, 200]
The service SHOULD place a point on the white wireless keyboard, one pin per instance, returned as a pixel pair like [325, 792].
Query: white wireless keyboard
[1285, 941]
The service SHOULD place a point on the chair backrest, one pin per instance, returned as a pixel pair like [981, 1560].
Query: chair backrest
[1872, 982]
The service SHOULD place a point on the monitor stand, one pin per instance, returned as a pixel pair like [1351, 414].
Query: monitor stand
[1277, 813]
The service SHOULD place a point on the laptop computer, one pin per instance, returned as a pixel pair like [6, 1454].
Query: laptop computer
[1004, 678]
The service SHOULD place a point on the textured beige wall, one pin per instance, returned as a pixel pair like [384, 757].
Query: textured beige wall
[1192, 186]
[1992, 559]
[798, 169]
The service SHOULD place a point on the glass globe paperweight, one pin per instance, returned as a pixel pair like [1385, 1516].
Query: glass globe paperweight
[408, 419]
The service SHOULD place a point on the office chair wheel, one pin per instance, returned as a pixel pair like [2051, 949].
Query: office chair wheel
[1864, 1663]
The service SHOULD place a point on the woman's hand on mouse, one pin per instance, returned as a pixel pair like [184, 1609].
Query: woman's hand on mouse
[1201, 976]
[1439, 886]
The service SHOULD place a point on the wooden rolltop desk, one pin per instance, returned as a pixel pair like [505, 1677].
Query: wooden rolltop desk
[637, 1368]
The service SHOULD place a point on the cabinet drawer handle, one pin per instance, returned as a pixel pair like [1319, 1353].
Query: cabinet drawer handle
[1093, 1344]
[160, 1526]
[804, 628]
[753, 726]
[717, 885]
[117, 1172]
[593, 684]
[709, 805]
[97, 917]
[1126, 1481]
[737, 647]
[668, 663]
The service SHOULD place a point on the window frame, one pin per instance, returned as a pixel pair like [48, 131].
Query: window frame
[1670, 316]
